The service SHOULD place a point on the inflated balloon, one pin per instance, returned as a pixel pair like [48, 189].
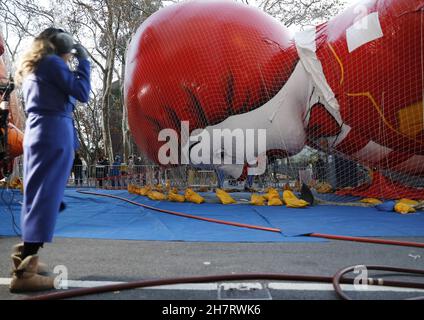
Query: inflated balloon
[203, 62]
[353, 85]
[14, 146]
[1, 46]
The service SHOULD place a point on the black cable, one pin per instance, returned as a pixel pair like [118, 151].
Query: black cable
[338, 278]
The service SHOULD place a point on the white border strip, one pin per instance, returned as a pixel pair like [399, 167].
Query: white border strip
[283, 286]
[296, 286]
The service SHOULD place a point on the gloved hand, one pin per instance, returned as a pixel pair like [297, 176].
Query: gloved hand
[80, 51]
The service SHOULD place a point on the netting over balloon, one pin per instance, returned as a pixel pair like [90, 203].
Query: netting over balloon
[346, 95]
[11, 117]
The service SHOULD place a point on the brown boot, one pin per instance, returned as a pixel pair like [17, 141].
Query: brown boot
[25, 277]
[17, 251]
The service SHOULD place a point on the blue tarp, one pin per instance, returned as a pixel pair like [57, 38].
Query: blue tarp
[94, 217]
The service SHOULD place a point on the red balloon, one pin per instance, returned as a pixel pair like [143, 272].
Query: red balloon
[358, 82]
[203, 62]
[1, 45]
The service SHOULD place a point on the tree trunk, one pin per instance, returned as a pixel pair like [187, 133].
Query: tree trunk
[126, 134]
[107, 88]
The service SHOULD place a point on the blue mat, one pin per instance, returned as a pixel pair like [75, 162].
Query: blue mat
[104, 218]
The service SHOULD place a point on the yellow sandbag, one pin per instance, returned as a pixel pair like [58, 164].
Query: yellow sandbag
[133, 189]
[144, 191]
[292, 201]
[409, 202]
[192, 196]
[224, 197]
[257, 200]
[403, 208]
[371, 201]
[175, 197]
[158, 188]
[168, 185]
[271, 193]
[324, 188]
[15, 183]
[154, 195]
[273, 197]
[275, 201]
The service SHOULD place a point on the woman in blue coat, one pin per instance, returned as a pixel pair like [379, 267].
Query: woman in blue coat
[50, 91]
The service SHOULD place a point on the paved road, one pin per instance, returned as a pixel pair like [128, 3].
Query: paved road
[117, 261]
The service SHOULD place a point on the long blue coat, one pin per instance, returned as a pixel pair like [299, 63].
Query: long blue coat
[50, 141]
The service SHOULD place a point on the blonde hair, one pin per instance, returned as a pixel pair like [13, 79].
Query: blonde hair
[40, 48]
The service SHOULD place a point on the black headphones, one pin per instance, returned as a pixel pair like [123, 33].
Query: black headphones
[62, 41]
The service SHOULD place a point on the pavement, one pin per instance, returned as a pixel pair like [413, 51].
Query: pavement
[97, 262]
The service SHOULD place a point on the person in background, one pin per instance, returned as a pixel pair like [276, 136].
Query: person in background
[131, 163]
[114, 172]
[84, 168]
[102, 168]
[249, 183]
[131, 170]
[138, 161]
[140, 171]
[320, 170]
[123, 174]
[50, 90]
[77, 169]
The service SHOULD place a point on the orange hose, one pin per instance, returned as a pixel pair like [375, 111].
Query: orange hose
[368, 240]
